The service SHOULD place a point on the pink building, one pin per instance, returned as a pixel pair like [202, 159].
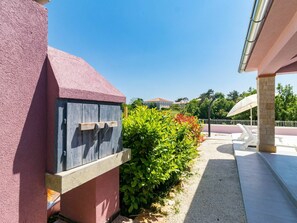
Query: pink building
[61, 125]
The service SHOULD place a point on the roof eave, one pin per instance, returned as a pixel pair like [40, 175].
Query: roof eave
[258, 17]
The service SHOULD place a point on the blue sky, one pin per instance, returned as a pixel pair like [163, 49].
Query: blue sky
[158, 48]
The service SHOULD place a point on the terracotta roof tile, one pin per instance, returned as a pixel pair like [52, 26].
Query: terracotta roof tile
[158, 100]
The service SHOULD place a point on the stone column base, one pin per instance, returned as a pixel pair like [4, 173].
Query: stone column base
[266, 148]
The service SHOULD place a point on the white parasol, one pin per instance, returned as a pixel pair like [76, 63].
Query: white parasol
[244, 105]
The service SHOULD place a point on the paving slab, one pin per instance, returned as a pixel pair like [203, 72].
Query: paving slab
[265, 199]
[284, 167]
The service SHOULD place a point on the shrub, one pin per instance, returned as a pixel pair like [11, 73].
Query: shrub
[193, 123]
[161, 151]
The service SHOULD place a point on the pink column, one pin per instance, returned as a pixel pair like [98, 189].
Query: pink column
[23, 47]
[95, 201]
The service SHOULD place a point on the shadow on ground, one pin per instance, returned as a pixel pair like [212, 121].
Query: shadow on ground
[218, 197]
[227, 148]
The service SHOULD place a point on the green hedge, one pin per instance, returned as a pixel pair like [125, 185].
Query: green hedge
[161, 150]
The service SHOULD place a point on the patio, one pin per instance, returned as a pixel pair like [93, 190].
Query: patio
[268, 182]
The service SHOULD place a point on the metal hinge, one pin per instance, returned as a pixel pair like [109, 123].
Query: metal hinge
[65, 121]
[64, 153]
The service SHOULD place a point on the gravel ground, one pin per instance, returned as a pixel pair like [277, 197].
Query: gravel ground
[213, 193]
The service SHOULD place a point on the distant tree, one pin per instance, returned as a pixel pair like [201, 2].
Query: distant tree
[199, 107]
[221, 107]
[206, 95]
[219, 95]
[185, 100]
[178, 100]
[203, 107]
[247, 93]
[252, 90]
[192, 108]
[136, 102]
[152, 105]
[233, 95]
[285, 103]
[175, 107]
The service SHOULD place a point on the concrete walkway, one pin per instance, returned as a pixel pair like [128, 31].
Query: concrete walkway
[268, 184]
[213, 193]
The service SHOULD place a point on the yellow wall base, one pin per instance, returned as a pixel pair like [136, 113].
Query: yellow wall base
[267, 148]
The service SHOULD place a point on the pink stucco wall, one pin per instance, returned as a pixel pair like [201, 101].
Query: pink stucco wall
[286, 131]
[94, 201]
[107, 197]
[222, 128]
[235, 129]
[52, 95]
[23, 47]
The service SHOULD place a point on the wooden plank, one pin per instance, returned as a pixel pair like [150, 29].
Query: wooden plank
[110, 138]
[90, 140]
[74, 145]
[117, 142]
[112, 124]
[91, 125]
[60, 136]
[85, 126]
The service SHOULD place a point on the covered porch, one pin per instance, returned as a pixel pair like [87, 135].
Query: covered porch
[270, 49]
[267, 182]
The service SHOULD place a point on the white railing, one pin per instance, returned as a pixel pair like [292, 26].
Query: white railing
[247, 122]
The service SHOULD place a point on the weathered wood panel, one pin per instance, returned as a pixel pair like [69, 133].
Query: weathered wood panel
[110, 138]
[90, 139]
[74, 141]
[74, 147]
[60, 137]
[117, 136]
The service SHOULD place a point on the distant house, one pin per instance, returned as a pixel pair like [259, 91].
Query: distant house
[159, 103]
